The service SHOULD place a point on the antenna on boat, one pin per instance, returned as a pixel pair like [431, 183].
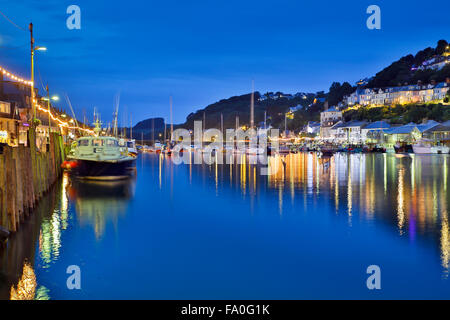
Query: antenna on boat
[171, 120]
[71, 109]
[252, 105]
[116, 114]
[131, 126]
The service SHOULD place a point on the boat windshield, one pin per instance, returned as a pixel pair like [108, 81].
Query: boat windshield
[83, 142]
[112, 143]
[98, 142]
[130, 144]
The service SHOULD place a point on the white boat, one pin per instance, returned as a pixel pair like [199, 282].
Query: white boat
[440, 149]
[157, 147]
[425, 146]
[131, 145]
[100, 158]
[422, 147]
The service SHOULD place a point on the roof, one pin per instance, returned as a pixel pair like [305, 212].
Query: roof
[439, 128]
[337, 125]
[378, 125]
[354, 124]
[406, 129]
[428, 125]
[349, 124]
[332, 109]
[313, 124]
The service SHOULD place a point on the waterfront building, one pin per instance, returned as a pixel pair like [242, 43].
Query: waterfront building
[372, 133]
[328, 119]
[8, 123]
[439, 134]
[348, 132]
[408, 133]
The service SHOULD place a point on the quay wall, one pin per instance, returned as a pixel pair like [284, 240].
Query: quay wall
[26, 174]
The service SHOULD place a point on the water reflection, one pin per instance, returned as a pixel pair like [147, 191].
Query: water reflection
[409, 192]
[95, 204]
[405, 195]
[98, 203]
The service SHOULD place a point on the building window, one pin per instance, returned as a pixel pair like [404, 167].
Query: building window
[5, 107]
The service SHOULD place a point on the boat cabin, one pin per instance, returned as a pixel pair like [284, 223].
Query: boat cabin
[97, 148]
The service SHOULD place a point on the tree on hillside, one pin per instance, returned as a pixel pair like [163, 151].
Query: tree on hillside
[338, 91]
[441, 47]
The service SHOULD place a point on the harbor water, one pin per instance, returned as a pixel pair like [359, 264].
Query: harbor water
[189, 231]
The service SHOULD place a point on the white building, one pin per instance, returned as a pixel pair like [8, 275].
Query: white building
[328, 119]
[398, 95]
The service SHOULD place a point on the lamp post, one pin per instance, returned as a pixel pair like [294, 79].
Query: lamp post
[33, 48]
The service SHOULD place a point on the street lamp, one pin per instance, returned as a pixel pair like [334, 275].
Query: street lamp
[33, 49]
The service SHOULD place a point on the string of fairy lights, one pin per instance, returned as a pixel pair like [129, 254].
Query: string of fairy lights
[60, 122]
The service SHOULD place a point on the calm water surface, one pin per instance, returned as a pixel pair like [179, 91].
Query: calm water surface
[225, 231]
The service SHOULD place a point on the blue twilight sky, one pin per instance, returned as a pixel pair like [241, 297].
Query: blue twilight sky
[201, 51]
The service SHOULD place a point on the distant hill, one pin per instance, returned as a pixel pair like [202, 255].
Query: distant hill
[149, 128]
[275, 108]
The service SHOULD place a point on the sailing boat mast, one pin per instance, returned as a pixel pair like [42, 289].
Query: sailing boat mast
[171, 120]
[252, 105]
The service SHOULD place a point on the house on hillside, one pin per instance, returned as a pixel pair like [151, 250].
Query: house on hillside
[312, 127]
[296, 108]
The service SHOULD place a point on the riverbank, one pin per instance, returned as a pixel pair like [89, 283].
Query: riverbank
[26, 175]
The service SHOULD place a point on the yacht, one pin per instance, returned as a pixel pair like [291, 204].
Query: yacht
[426, 146]
[440, 149]
[422, 147]
[100, 158]
[131, 147]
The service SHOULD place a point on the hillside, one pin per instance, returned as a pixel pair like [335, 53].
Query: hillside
[411, 69]
[144, 129]
[275, 108]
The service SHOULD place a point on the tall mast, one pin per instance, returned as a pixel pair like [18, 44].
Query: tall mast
[153, 130]
[204, 121]
[171, 120]
[131, 126]
[265, 119]
[252, 105]
[164, 131]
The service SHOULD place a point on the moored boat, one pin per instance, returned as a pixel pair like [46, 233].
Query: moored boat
[100, 158]
[422, 147]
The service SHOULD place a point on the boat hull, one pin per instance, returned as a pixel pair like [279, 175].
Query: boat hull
[105, 170]
[440, 150]
[421, 149]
